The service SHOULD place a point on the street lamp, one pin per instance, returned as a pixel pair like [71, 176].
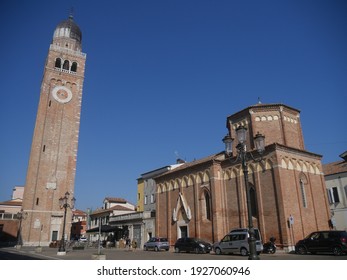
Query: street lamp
[259, 141]
[64, 203]
[20, 216]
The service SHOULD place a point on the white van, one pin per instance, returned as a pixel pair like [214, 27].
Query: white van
[236, 241]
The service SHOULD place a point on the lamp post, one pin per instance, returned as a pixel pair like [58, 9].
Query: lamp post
[20, 216]
[259, 141]
[64, 203]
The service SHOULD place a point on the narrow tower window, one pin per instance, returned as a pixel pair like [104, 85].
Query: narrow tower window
[74, 67]
[66, 65]
[58, 63]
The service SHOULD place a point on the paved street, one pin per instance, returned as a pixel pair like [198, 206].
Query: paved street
[28, 253]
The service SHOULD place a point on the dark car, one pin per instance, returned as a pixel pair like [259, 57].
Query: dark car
[189, 244]
[157, 244]
[334, 241]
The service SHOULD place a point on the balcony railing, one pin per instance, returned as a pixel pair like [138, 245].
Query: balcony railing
[65, 50]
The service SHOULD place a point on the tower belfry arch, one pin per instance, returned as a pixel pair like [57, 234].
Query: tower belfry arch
[53, 156]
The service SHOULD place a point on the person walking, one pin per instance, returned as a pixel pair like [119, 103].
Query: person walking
[134, 244]
[127, 243]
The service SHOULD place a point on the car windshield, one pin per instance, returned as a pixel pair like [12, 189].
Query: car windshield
[256, 235]
[199, 240]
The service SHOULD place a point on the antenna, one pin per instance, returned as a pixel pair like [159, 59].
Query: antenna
[72, 12]
[178, 158]
[177, 155]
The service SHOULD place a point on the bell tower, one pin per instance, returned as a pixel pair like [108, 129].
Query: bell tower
[52, 163]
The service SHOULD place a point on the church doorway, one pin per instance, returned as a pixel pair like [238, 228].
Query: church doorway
[183, 231]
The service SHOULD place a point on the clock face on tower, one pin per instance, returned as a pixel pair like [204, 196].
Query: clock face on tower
[62, 94]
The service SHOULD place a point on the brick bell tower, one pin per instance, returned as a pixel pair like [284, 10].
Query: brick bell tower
[52, 163]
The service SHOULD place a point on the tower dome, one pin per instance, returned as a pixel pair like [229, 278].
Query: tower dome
[68, 28]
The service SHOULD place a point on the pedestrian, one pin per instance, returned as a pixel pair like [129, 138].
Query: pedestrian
[134, 244]
[127, 243]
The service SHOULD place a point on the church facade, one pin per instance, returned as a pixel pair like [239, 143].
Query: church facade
[52, 163]
[206, 198]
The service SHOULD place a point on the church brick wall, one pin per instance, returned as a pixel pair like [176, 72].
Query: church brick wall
[278, 191]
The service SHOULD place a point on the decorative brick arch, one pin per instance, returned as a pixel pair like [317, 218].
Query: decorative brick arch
[227, 174]
[199, 178]
[206, 177]
[171, 185]
[177, 184]
[184, 182]
[191, 180]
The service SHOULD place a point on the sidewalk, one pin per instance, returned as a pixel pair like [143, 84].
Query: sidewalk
[52, 253]
[117, 254]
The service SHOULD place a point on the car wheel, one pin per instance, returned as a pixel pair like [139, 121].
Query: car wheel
[177, 250]
[301, 250]
[145, 248]
[244, 252]
[196, 251]
[337, 251]
[271, 251]
[218, 251]
[156, 248]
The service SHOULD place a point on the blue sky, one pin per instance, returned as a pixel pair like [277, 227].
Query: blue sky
[162, 76]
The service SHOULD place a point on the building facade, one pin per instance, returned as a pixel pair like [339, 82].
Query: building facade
[140, 205]
[336, 183]
[206, 198]
[101, 220]
[52, 163]
[79, 224]
[11, 217]
[146, 192]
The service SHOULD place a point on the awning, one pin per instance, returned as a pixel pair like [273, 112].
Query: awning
[104, 228]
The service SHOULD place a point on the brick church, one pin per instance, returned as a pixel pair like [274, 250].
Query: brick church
[206, 198]
[52, 163]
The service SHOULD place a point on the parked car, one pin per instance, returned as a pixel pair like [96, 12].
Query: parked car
[190, 244]
[334, 241]
[236, 241]
[83, 239]
[157, 244]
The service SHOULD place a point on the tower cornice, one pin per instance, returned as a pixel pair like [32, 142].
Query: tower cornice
[67, 51]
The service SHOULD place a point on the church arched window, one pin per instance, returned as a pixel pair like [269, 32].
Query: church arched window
[58, 63]
[206, 205]
[66, 65]
[74, 67]
[303, 193]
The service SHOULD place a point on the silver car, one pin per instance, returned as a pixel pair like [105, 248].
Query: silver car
[237, 242]
[157, 244]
